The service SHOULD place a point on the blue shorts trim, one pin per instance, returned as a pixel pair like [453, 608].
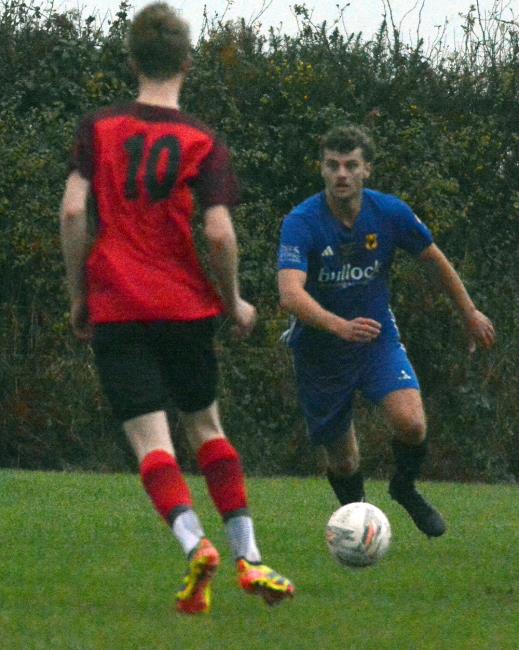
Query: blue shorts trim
[327, 384]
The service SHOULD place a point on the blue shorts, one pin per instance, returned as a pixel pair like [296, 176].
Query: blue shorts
[327, 383]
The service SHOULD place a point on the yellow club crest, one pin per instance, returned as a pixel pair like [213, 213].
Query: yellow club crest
[371, 242]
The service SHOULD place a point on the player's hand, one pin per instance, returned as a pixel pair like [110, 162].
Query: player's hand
[359, 330]
[81, 327]
[244, 316]
[480, 330]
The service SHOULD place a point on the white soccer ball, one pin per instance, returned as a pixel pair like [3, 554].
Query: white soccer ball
[358, 535]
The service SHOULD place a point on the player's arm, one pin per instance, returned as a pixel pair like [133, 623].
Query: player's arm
[75, 246]
[479, 327]
[296, 300]
[223, 261]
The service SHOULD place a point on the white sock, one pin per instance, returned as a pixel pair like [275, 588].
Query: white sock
[240, 531]
[188, 530]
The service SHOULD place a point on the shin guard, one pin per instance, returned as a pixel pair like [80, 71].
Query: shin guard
[164, 483]
[220, 463]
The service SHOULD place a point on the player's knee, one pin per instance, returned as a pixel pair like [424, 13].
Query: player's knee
[344, 467]
[202, 426]
[411, 430]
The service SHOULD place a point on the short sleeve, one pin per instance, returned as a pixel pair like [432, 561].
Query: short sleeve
[295, 243]
[82, 156]
[217, 183]
[413, 235]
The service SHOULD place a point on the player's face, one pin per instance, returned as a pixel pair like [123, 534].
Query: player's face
[344, 174]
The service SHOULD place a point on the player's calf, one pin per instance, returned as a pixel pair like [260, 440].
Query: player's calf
[347, 489]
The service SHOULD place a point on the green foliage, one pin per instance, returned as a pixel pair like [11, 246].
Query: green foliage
[445, 126]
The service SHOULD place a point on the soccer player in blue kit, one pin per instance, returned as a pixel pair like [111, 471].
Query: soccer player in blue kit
[335, 257]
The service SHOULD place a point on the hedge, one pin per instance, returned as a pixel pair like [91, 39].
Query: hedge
[445, 124]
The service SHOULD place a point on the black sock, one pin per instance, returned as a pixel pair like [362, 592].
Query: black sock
[349, 489]
[408, 460]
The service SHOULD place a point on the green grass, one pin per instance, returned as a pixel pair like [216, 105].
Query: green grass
[86, 564]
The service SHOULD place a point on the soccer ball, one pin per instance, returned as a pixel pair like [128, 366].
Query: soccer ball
[358, 535]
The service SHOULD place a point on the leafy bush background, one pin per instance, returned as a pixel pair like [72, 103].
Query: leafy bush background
[446, 127]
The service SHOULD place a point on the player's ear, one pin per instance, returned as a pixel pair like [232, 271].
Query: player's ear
[186, 65]
[368, 168]
[133, 67]
[321, 166]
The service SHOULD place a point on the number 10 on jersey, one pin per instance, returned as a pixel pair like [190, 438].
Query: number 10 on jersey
[158, 188]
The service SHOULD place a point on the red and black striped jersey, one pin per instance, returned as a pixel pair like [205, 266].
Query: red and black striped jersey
[146, 166]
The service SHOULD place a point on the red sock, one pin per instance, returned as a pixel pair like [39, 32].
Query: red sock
[221, 466]
[164, 483]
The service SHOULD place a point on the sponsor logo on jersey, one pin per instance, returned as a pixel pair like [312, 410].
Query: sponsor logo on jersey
[290, 254]
[404, 376]
[371, 242]
[349, 274]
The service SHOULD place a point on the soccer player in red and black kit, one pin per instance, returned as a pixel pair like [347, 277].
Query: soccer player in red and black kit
[140, 294]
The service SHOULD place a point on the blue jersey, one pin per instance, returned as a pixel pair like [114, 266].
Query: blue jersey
[348, 268]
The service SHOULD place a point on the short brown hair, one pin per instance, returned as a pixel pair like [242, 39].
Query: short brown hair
[159, 41]
[344, 139]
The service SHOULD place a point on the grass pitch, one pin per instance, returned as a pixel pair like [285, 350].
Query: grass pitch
[87, 564]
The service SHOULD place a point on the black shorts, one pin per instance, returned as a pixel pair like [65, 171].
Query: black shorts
[144, 366]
